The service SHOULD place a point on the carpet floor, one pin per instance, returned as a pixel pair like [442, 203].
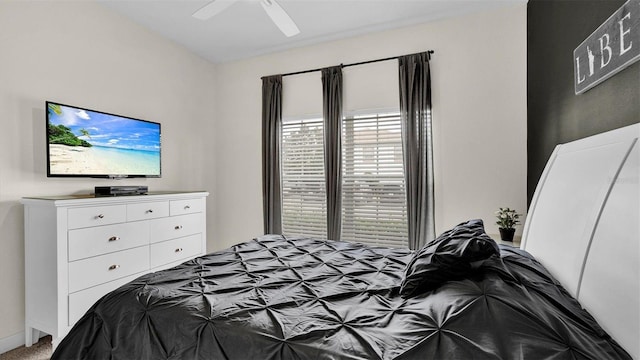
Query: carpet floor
[39, 351]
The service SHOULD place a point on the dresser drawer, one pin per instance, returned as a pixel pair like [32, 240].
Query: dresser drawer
[104, 268]
[96, 216]
[175, 226]
[188, 206]
[99, 240]
[147, 210]
[81, 301]
[177, 249]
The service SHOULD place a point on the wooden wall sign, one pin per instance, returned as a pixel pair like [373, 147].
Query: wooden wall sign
[611, 48]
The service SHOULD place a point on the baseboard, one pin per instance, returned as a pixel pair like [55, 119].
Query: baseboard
[14, 341]
[11, 342]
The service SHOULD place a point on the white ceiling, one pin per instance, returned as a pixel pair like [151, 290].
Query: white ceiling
[244, 30]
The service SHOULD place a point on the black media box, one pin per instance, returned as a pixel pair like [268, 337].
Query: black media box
[121, 190]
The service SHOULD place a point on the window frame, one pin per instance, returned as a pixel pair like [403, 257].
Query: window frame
[398, 238]
[317, 230]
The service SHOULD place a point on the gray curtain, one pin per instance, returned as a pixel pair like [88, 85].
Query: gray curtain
[415, 110]
[332, 113]
[271, 121]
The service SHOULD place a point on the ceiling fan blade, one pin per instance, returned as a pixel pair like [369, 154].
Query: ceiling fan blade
[212, 9]
[280, 17]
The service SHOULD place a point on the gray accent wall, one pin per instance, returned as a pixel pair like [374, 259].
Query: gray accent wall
[555, 114]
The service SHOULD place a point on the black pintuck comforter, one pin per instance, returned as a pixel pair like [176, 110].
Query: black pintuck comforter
[299, 298]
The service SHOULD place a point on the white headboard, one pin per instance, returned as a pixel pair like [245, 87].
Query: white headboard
[583, 225]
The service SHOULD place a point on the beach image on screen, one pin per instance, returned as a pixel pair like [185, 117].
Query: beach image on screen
[84, 142]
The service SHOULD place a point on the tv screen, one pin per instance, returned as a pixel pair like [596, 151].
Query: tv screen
[89, 143]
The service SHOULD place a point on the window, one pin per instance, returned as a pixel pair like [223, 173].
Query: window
[304, 204]
[373, 191]
[374, 207]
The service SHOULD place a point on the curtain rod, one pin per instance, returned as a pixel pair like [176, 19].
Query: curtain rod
[429, 52]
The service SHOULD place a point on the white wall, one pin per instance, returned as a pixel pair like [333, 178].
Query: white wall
[479, 101]
[82, 54]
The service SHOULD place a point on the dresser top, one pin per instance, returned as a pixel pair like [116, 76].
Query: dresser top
[92, 199]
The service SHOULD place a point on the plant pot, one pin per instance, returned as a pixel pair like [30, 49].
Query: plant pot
[507, 234]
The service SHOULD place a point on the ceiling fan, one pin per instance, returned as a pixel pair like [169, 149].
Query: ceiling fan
[271, 7]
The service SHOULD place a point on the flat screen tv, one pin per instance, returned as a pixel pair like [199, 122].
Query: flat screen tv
[89, 143]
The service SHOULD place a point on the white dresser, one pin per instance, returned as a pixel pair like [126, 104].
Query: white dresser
[78, 248]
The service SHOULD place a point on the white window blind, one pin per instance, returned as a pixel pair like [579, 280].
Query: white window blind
[373, 190]
[304, 209]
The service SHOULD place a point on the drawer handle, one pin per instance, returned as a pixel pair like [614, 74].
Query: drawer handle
[178, 227]
[113, 267]
[149, 211]
[179, 250]
[187, 207]
[114, 238]
[101, 216]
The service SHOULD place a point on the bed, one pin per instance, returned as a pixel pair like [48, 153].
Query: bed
[460, 297]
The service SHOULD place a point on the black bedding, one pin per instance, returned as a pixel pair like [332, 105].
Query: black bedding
[278, 297]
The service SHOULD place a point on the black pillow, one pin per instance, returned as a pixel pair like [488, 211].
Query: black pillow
[451, 256]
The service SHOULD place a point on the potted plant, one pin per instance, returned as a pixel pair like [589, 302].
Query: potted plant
[507, 219]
